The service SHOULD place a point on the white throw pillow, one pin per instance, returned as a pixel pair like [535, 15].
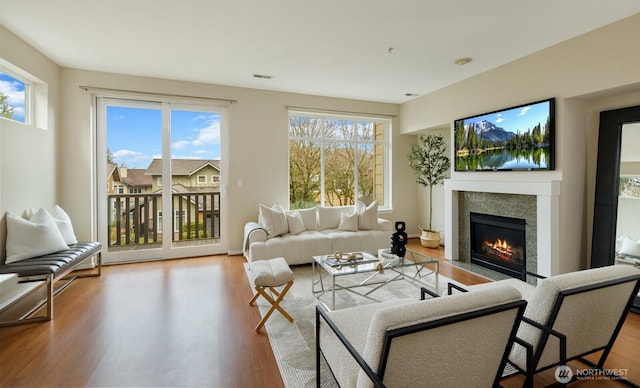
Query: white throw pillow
[274, 220]
[348, 221]
[310, 218]
[295, 221]
[619, 241]
[63, 221]
[630, 247]
[34, 237]
[367, 216]
[329, 216]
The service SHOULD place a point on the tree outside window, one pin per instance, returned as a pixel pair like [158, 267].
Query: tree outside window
[335, 161]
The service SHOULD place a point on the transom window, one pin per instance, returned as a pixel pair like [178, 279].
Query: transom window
[337, 160]
[14, 99]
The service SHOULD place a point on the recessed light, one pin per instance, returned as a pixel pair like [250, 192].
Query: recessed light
[264, 76]
[462, 61]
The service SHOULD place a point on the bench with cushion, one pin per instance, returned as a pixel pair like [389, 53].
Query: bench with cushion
[53, 267]
[42, 247]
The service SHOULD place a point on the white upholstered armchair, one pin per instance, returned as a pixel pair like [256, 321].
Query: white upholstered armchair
[571, 315]
[460, 340]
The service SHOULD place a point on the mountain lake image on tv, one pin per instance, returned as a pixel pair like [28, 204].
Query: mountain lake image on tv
[518, 138]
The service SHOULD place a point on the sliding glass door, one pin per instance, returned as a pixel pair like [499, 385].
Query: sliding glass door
[159, 170]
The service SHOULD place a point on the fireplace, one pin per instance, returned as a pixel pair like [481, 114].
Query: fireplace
[499, 243]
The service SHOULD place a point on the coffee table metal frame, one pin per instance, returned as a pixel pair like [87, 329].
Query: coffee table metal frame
[396, 264]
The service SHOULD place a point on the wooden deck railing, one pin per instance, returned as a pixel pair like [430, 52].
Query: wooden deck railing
[137, 219]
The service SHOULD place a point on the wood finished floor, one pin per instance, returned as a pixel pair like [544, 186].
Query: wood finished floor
[182, 323]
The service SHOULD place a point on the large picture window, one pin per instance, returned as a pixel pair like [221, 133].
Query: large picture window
[337, 160]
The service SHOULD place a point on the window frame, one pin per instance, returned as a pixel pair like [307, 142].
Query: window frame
[355, 142]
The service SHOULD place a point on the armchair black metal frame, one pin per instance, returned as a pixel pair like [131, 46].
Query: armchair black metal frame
[377, 377]
[547, 329]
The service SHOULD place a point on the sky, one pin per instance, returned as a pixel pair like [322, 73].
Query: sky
[14, 89]
[517, 119]
[134, 135]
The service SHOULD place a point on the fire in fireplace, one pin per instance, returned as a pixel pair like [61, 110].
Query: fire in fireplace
[499, 243]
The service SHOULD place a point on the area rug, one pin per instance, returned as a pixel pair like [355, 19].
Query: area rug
[293, 344]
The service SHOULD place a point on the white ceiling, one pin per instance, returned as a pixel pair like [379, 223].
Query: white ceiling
[337, 48]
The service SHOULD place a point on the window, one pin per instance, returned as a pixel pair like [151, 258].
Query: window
[135, 190]
[202, 179]
[215, 179]
[14, 99]
[334, 161]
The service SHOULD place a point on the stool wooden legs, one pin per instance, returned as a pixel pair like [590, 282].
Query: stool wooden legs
[275, 304]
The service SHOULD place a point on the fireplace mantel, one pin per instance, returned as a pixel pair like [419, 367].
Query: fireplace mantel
[548, 215]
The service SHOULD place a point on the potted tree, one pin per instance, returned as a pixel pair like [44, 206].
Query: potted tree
[429, 161]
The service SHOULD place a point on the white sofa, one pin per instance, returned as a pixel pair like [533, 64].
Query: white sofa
[300, 234]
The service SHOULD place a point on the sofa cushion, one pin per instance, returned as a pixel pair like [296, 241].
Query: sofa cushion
[273, 220]
[348, 221]
[630, 247]
[295, 221]
[310, 218]
[36, 236]
[329, 217]
[367, 216]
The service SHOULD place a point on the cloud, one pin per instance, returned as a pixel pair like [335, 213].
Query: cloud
[208, 135]
[180, 144]
[524, 110]
[131, 159]
[126, 154]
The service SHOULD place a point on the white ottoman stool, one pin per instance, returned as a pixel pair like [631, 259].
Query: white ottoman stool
[271, 274]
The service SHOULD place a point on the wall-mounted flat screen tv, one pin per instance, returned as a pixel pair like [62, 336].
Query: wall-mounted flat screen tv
[517, 138]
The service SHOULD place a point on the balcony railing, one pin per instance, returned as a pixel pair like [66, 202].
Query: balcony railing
[137, 219]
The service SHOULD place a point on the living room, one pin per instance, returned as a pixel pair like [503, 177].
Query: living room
[587, 74]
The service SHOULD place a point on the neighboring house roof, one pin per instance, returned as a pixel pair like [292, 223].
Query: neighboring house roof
[112, 169]
[137, 177]
[182, 166]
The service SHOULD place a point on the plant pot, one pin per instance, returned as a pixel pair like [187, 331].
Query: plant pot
[430, 239]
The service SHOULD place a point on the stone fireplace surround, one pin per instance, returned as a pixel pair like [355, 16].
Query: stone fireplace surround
[547, 216]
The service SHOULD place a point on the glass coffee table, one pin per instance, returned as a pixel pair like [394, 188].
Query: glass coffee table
[326, 269]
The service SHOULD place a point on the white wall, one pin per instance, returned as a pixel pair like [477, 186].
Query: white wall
[602, 60]
[256, 147]
[28, 154]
